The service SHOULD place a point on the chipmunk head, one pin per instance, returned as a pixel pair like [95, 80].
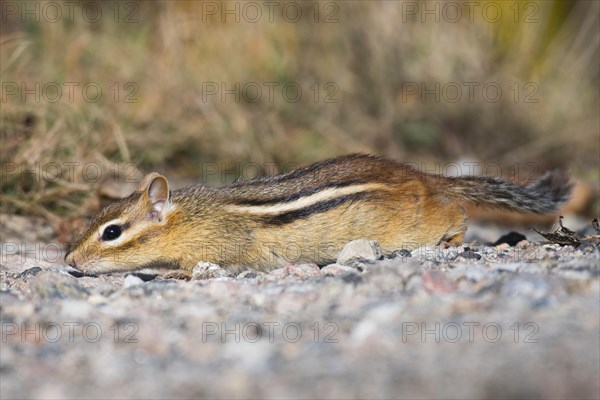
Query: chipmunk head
[126, 235]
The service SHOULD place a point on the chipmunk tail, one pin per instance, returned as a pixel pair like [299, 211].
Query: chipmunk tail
[544, 196]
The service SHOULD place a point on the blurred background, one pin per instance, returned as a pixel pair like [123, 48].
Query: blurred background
[95, 93]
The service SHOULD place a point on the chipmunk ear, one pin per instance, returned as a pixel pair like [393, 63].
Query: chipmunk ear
[156, 194]
[146, 180]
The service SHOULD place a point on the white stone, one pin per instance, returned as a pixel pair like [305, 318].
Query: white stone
[361, 249]
[206, 270]
[132, 280]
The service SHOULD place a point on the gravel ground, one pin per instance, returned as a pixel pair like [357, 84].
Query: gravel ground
[479, 321]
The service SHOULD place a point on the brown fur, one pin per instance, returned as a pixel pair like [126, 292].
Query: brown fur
[307, 215]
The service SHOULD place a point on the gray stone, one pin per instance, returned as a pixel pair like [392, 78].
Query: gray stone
[337, 270]
[247, 275]
[425, 254]
[296, 270]
[206, 270]
[304, 270]
[469, 255]
[359, 250]
[279, 273]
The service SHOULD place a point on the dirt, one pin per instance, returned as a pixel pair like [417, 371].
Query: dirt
[477, 321]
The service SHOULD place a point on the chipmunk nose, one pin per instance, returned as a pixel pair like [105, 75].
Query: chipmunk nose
[70, 260]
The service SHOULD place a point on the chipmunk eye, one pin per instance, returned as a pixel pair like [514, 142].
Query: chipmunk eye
[111, 232]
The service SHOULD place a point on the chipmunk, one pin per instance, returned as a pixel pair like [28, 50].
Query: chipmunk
[306, 215]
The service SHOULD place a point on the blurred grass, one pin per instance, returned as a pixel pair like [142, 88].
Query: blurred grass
[369, 56]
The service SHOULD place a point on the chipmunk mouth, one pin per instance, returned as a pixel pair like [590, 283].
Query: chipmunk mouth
[77, 273]
[88, 267]
[72, 269]
[81, 269]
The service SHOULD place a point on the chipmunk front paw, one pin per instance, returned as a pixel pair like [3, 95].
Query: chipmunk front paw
[177, 274]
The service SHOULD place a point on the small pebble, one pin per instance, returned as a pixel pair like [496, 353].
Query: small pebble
[400, 254]
[297, 270]
[247, 275]
[279, 273]
[131, 281]
[502, 247]
[206, 270]
[304, 270]
[469, 255]
[338, 270]
[359, 250]
[425, 253]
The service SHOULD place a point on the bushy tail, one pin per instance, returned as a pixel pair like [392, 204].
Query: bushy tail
[544, 196]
